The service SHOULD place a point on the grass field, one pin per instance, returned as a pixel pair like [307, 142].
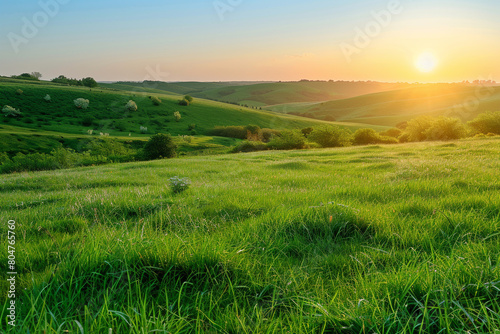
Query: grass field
[392, 107]
[377, 239]
[270, 93]
[106, 112]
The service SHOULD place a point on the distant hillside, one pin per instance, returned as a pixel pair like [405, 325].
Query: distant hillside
[106, 112]
[257, 94]
[390, 108]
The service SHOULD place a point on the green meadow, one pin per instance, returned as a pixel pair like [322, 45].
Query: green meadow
[373, 239]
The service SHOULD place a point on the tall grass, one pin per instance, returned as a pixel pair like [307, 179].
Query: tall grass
[400, 239]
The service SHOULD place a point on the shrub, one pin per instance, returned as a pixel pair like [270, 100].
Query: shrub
[444, 128]
[11, 112]
[249, 146]
[366, 137]
[416, 128]
[177, 116]
[486, 123]
[188, 98]
[107, 147]
[19, 92]
[306, 131]
[265, 135]
[331, 136]
[156, 101]
[394, 132]
[184, 102]
[160, 146]
[47, 98]
[288, 140]
[81, 103]
[131, 106]
[143, 129]
[178, 185]
[191, 127]
[238, 132]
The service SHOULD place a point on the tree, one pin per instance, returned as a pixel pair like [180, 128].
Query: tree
[156, 101]
[486, 123]
[188, 98]
[415, 129]
[366, 137]
[177, 116]
[131, 106]
[160, 146]
[89, 82]
[37, 75]
[11, 112]
[331, 136]
[81, 103]
[445, 128]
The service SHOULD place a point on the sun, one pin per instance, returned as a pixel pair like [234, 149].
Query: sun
[426, 62]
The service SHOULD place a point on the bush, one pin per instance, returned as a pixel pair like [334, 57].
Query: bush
[366, 137]
[416, 128]
[444, 128]
[28, 163]
[131, 106]
[331, 136]
[266, 135]
[178, 185]
[81, 103]
[188, 98]
[238, 132]
[306, 131]
[143, 129]
[177, 116]
[288, 140]
[156, 101]
[249, 146]
[160, 146]
[11, 112]
[394, 132]
[184, 102]
[191, 127]
[89, 82]
[19, 92]
[108, 147]
[47, 98]
[486, 123]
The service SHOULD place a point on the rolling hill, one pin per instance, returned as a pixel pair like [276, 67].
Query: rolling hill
[259, 94]
[106, 112]
[390, 108]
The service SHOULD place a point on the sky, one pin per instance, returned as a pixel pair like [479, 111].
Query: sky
[252, 40]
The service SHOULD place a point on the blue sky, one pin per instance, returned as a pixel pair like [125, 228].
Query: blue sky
[256, 40]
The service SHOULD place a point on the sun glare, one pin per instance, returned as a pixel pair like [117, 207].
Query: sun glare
[426, 62]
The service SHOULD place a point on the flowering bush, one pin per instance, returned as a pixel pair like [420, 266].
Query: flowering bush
[47, 98]
[179, 185]
[10, 111]
[177, 116]
[81, 103]
[131, 106]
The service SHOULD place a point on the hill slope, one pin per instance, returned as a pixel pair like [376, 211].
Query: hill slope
[106, 112]
[390, 108]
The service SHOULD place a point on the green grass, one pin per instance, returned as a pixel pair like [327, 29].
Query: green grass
[390, 108]
[376, 239]
[108, 114]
